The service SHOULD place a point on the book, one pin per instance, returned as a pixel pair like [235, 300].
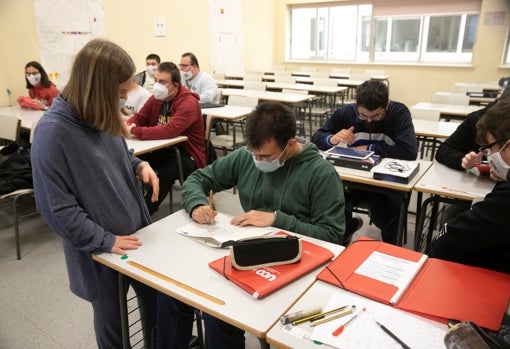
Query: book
[411, 281]
[395, 170]
[220, 233]
[260, 282]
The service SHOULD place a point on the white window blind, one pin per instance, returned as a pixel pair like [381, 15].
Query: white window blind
[385, 8]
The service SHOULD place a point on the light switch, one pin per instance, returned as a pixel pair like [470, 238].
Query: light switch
[159, 26]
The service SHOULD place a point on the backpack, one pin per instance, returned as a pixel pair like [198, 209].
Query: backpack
[15, 167]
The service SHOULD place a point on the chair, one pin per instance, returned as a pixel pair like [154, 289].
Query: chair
[426, 143]
[361, 77]
[219, 76]
[255, 85]
[282, 73]
[284, 79]
[321, 75]
[341, 71]
[301, 112]
[252, 77]
[374, 72]
[9, 130]
[450, 98]
[467, 88]
[308, 69]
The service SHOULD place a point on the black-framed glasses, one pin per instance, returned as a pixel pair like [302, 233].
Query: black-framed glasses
[267, 158]
[486, 149]
[182, 65]
[376, 117]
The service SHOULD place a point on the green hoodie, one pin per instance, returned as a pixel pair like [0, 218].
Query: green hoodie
[306, 191]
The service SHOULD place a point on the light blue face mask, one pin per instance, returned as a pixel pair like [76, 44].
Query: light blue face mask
[269, 166]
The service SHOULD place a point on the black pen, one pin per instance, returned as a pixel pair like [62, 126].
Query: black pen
[392, 335]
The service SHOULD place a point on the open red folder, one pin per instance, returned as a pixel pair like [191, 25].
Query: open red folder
[438, 288]
[263, 281]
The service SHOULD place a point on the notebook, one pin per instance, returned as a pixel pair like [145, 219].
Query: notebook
[264, 281]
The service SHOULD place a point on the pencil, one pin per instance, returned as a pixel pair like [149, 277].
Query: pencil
[332, 317]
[318, 316]
[392, 335]
[211, 200]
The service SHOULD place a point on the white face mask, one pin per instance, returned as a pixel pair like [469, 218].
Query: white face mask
[151, 69]
[186, 75]
[34, 79]
[498, 165]
[269, 166]
[160, 91]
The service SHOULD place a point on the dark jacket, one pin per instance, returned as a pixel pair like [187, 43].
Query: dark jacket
[392, 137]
[461, 142]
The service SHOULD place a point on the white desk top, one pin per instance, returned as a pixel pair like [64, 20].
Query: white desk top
[415, 331]
[231, 112]
[186, 262]
[436, 129]
[28, 116]
[230, 82]
[141, 147]
[483, 85]
[307, 87]
[450, 109]
[444, 181]
[283, 97]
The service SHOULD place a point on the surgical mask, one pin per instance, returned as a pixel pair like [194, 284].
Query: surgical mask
[498, 165]
[122, 101]
[160, 91]
[151, 69]
[269, 166]
[34, 79]
[186, 75]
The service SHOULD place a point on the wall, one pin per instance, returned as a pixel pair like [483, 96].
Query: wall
[411, 84]
[130, 23]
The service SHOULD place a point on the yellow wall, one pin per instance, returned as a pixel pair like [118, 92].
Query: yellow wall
[130, 23]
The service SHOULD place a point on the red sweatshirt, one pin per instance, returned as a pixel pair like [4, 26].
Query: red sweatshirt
[45, 93]
[186, 120]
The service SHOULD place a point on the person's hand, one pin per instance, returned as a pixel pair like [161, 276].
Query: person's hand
[254, 218]
[129, 126]
[40, 103]
[147, 175]
[203, 214]
[343, 136]
[471, 159]
[125, 242]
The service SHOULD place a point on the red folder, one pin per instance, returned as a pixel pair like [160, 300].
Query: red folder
[263, 281]
[441, 289]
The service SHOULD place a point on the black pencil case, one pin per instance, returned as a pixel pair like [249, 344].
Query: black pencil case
[265, 251]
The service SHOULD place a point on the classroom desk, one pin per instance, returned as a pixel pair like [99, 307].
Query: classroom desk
[484, 86]
[449, 111]
[180, 269]
[360, 179]
[416, 331]
[429, 132]
[449, 186]
[28, 116]
[283, 97]
[141, 147]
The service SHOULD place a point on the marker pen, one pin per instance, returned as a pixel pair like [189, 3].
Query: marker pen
[300, 314]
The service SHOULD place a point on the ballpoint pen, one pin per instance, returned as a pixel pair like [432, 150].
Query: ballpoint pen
[319, 316]
[211, 200]
[392, 335]
[342, 327]
[332, 317]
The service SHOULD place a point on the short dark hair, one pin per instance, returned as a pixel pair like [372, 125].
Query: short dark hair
[372, 94]
[270, 120]
[192, 58]
[45, 80]
[496, 121]
[171, 68]
[154, 56]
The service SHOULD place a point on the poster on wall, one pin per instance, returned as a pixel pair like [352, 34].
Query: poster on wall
[63, 28]
[225, 24]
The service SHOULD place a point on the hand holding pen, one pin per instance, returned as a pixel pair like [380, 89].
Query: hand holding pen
[205, 214]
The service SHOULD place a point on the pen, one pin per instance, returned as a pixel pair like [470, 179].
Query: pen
[332, 317]
[342, 327]
[298, 315]
[211, 200]
[318, 316]
[392, 335]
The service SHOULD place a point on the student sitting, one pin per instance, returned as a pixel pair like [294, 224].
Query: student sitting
[41, 90]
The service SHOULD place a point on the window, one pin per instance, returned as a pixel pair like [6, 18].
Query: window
[506, 60]
[357, 33]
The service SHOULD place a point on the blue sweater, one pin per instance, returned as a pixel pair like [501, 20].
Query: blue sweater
[392, 137]
[87, 192]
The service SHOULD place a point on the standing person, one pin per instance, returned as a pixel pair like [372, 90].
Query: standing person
[479, 236]
[86, 183]
[172, 111]
[146, 77]
[385, 127]
[41, 90]
[281, 184]
[198, 81]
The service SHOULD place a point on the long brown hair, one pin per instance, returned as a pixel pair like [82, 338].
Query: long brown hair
[93, 88]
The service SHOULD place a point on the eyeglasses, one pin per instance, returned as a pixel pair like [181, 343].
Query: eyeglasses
[486, 149]
[267, 158]
[184, 65]
[376, 117]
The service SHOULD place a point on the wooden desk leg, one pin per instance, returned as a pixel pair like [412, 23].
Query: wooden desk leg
[123, 285]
